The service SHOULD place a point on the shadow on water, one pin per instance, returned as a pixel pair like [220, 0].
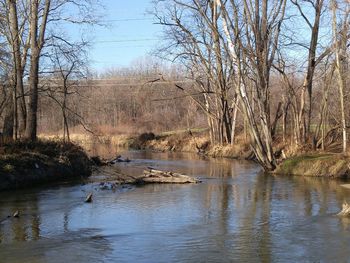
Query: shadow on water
[238, 213]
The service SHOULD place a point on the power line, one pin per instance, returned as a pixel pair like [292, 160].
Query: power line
[126, 40]
[128, 19]
[102, 85]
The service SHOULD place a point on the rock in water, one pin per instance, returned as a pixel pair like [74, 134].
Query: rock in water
[345, 210]
[88, 198]
[16, 214]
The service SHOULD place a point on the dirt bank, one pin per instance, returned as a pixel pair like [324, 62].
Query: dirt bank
[24, 164]
[191, 142]
[196, 141]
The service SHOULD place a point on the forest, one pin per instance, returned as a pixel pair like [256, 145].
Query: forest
[276, 70]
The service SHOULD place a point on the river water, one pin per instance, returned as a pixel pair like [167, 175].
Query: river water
[237, 214]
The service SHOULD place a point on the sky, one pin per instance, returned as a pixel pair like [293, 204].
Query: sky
[129, 35]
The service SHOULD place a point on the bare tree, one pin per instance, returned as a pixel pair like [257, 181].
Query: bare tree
[252, 31]
[69, 66]
[43, 12]
[314, 26]
[193, 30]
[14, 27]
[340, 27]
[37, 38]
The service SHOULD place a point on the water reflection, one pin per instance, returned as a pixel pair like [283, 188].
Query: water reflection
[238, 213]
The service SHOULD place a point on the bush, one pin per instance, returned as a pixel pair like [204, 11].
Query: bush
[147, 136]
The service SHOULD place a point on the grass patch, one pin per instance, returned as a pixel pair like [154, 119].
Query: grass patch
[322, 165]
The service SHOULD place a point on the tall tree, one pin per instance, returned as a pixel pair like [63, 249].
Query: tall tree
[19, 49]
[304, 121]
[37, 37]
[340, 28]
[252, 32]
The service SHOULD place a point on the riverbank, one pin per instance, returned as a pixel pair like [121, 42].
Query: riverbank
[24, 164]
[317, 165]
[292, 161]
[195, 141]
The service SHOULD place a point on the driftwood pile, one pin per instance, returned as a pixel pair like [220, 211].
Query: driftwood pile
[164, 177]
[150, 176]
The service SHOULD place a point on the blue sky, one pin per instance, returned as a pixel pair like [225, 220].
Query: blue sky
[130, 34]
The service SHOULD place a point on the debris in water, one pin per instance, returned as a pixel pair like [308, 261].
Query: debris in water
[345, 210]
[107, 186]
[16, 214]
[158, 176]
[88, 198]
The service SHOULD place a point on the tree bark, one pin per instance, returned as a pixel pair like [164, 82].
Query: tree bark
[36, 45]
[340, 59]
[18, 67]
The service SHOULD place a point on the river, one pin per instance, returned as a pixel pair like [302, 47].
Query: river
[237, 214]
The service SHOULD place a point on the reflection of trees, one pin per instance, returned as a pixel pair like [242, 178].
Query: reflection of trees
[254, 228]
[251, 208]
[47, 213]
[24, 228]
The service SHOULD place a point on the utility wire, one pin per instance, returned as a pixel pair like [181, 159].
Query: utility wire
[128, 19]
[126, 40]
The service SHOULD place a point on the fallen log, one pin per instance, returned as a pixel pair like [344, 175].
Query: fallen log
[119, 159]
[164, 177]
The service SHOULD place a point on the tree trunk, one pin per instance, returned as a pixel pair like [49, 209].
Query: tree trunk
[234, 119]
[8, 122]
[18, 67]
[36, 45]
[340, 57]
[31, 129]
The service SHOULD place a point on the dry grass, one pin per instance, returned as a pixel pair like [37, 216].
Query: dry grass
[179, 140]
[239, 149]
[322, 165]
[87, 139]
[183, 142]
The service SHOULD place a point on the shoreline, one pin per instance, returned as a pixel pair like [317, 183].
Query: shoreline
[26, 164]
[308, 164]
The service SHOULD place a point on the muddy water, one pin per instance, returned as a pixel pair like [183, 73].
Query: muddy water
[237, 214]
